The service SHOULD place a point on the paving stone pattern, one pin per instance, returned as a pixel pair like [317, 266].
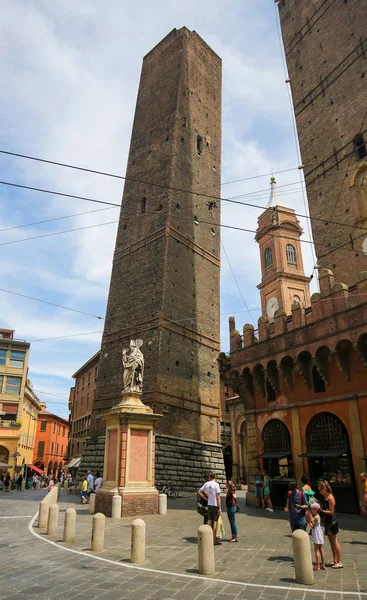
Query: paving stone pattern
[30, 567]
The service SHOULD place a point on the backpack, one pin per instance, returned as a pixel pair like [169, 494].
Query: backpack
[201, 506]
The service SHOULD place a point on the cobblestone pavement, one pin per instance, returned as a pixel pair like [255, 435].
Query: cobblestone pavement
[30, 567]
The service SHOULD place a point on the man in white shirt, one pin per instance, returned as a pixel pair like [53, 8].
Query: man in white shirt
[90, 480]
[212, 490]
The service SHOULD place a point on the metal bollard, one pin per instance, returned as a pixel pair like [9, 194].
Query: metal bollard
[98, 532]
[138, 542]
[43, 514]
[302, 557]
[53, 519]
[116, 507]
[162, 504]
[92, 504]
[69, 526]
[206, 550]
[65, 488]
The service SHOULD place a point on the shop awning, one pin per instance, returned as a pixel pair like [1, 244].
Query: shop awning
[323, 454]
[74, 463]
[278, 455]
[37, 469]
[4, 466]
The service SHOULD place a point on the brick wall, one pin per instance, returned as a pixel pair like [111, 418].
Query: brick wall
[325, 46]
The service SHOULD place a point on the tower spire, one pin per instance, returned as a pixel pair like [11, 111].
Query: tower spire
[274, 196]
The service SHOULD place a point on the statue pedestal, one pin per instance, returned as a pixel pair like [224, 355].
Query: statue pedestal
[129, 458]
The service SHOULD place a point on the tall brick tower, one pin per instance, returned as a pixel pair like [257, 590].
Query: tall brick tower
[165, 278]
[325, 44]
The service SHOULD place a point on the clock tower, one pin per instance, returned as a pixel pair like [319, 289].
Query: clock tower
[283, 280]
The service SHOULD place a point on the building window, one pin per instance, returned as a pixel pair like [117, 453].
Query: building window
[291, 254]
[2, 357]
[16, 359]
[270, 393]
[43, 425]
[83, 382]
[52, 447]
[63, 431]
[57, 449]
[268, 257]
[1, 383]
[12, 385]
[95, 373]
[54, 427]
[41, 449]
[360, 147]
[143, 204]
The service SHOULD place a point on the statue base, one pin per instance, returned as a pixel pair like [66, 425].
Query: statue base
[129, 461]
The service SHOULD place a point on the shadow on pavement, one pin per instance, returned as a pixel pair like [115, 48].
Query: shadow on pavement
[280, 558]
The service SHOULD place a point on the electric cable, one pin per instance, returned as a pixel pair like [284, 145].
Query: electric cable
[52, 304]
[61, 337]
[236, 282]
[87, 212]
[44, 235]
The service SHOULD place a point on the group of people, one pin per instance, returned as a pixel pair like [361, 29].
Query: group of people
[209, 499]
[89, 485]
[304, 509]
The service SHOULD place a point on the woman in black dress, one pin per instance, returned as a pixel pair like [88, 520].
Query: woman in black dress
[328, 516]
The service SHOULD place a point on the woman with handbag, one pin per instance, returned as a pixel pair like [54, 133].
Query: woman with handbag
[328, 516]
[232, 509]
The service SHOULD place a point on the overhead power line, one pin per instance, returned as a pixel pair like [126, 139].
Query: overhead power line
[86, 212]
[44, 235]
[61, 337]
[236, 282]
[51, 304]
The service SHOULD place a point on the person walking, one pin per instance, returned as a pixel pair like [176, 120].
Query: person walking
[296, 507]
[90, 481]
[317, 536]
[7, 482]
[328, 516]
[19, 482]
[212, 489]
[259, 488]
[51, 484]
[266, 493]
[231, 504]
[98, 482]
[84, 491]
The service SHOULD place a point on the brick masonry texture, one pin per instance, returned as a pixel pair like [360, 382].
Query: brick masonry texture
[183, 462]
[165, 278]
[326, 50]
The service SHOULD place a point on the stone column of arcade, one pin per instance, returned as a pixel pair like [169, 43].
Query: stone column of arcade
[129, 450]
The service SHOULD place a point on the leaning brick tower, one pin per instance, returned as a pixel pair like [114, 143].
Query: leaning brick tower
[164, 285]
[325, 44]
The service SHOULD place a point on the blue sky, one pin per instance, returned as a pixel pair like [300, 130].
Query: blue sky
[70, 73]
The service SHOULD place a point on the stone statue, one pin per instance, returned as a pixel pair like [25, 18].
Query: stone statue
[133, 362]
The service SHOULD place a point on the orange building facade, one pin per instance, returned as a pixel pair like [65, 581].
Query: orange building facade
[301, 381]
[51, 442]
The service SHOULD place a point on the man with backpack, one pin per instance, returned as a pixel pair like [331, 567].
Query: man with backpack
[296, 507]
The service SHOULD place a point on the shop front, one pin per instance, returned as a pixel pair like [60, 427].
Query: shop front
[277, 459]
[329, 458]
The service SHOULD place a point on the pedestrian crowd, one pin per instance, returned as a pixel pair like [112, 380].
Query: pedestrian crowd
[304, 507]
[89, 485]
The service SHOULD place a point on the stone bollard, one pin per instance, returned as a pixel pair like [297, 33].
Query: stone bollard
[206, 550]
[53, 519]
[92, 504]
[98, 532]
[302, 557]
[22, 485]
[162, 504]
[116, 507]
[65, 489]
[43, 514]
[69, 526]
[138, 542]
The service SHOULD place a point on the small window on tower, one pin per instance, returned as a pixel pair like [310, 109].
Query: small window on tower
[291, 254]
[199, 145]
[360, 147]
[268, 256]
[143, 204]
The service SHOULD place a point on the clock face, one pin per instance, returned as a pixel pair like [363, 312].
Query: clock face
[272, 306]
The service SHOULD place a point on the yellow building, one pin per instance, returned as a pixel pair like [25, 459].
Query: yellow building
[19, 406]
